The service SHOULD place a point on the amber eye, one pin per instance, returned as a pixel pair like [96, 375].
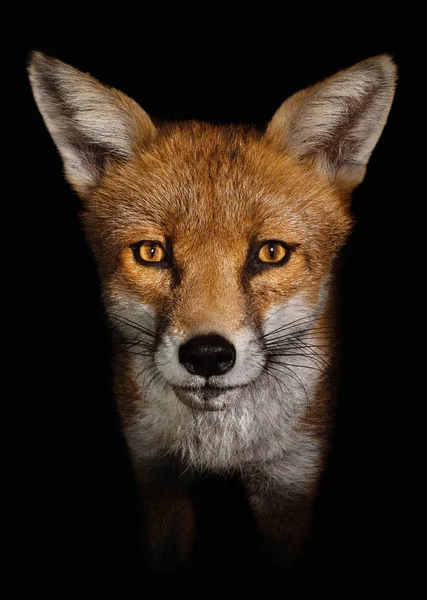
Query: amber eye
[149, 252]
[272, 252]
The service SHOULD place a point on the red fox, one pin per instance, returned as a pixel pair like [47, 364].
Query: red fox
[216, 248]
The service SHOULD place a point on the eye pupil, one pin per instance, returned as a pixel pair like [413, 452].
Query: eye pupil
[152, 251]
[272, 250]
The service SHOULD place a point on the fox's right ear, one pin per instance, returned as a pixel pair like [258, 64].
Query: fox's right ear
[89, 122]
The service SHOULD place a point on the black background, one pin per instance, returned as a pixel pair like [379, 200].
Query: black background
[76, 473]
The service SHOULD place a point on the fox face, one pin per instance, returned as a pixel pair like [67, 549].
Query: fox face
[218, 251]
[216, 248]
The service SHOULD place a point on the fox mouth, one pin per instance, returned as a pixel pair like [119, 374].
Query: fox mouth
[205, 398]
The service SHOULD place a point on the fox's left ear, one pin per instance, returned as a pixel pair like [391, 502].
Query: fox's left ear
[337, 122]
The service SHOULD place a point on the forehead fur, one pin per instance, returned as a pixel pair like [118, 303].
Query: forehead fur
[212, 180]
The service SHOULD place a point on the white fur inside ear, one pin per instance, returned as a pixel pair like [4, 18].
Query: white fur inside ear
[87, 120]
[338, 121]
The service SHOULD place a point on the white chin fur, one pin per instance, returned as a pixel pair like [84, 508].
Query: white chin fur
[254, 422]
[211, 400]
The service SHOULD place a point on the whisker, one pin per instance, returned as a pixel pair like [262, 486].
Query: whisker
[321, 366]
[135, 342]
[133, 325]
[303, 333]
[319, 353]
[296, 343]
[139, 374]
[316, 330]
[289, 344]
[281, 383]
[146, 354]
[312, 349]
[293, 365]
[285, 307]
[152, 376]
[148, 315]
[290, 374]
[295, 323]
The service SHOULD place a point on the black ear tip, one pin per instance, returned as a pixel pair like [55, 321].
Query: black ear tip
[38, 62]
[392, 65]
[35, 57]
[386, 63]
[390, 57]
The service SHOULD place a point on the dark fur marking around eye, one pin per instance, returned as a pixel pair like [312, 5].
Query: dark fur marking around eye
[162, 264]
[174, 268]
[253, 265]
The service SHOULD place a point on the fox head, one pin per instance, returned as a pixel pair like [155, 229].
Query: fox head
[216, 244]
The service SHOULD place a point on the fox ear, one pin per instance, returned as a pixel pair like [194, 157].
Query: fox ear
[89, 122]
[337, 123]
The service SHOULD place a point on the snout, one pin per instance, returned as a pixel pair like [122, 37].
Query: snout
[207, 369]
[207, 355]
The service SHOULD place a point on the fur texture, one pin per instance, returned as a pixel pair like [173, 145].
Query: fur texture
[211, 195]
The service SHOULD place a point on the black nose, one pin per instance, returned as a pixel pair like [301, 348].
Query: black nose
[207, 355]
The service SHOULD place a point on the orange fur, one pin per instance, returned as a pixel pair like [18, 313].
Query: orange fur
[270, 191]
